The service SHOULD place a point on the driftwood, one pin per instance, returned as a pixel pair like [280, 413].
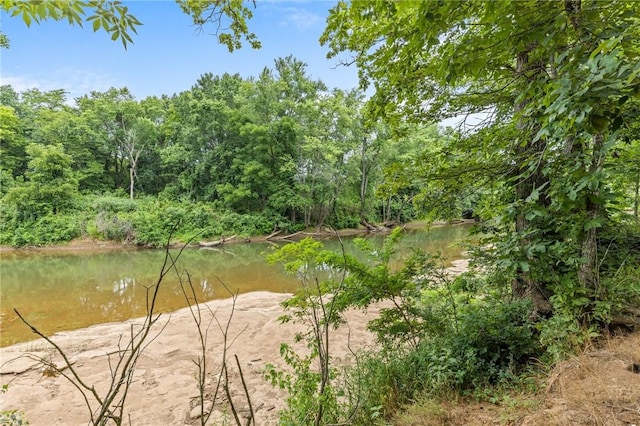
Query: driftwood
[220, 242]
[372, 228]
[273, 234]
[303, 234]
[289, 237]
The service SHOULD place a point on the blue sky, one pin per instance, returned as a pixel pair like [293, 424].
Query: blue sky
[168, 54]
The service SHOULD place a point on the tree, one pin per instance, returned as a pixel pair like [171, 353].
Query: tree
[203, 137]
[627, 157]
[51, 187]
[8, 136]
[549, 78]
[371, 144]
[113, 117]
[137, 138]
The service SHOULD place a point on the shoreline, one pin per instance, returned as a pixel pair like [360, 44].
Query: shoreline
[87, 243]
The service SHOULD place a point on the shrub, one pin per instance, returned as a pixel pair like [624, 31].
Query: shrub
[50, 229]
[57, 228]
[495, 339]
[492, 343]
[110, 226]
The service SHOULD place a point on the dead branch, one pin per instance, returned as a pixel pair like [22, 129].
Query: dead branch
[273, 234]
[217, 243]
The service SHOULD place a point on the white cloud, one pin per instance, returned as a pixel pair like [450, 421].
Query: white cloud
[301, 19]
[19, 83]
[73, 81]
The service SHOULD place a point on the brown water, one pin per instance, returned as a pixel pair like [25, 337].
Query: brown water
[58, 291]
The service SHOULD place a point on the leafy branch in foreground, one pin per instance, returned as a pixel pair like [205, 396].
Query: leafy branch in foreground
[313, 397]
[110, 16]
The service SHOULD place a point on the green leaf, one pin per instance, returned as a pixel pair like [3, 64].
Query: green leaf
[593, 223]
[27, 19]
[534, 196]
[41, 10]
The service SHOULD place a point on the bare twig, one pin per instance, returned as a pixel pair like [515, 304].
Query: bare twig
[252, 416]
[110, 406]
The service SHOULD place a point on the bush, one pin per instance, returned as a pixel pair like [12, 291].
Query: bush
[57, 228]
[109, 226]
[438, 335]
[111, 204]
[496, 337]
[492, 344]
[50, 229]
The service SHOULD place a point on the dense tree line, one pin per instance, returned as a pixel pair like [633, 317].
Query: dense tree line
[279, 146]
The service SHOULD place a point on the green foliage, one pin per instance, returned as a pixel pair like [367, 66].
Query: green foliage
[50, 229]
[556, 83]
[275, 152]
[51, 187]
[110, 16]
[492, 345]
[113, 204]
[212, 12]
[438, 335]
[13, 418]
[312, 392]
[301, 385]
[617, 295]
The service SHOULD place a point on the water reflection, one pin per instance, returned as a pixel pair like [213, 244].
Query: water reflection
[70, 290]
[119, 287]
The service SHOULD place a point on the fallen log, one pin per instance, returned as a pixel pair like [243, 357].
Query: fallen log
[273, 234]
[220, 242]
[288, 237]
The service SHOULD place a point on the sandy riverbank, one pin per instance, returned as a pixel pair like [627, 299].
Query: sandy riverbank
[164, 388]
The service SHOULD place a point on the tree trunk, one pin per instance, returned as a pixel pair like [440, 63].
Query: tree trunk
[365, 170]
[636, 199]
[116, 171]
[588, 274]
[523, 285]
[133, 165]
[131, 178]
[364, 183]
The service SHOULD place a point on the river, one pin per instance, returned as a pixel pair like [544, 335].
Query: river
[63, 290]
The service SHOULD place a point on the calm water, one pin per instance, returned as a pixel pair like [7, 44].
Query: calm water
[66, 291]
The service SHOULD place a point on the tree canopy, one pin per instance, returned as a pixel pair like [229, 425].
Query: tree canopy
[549, 82]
